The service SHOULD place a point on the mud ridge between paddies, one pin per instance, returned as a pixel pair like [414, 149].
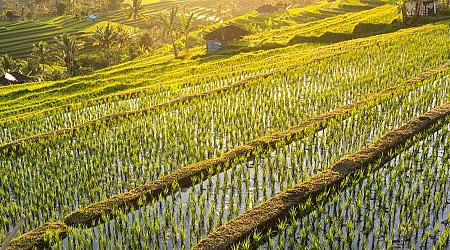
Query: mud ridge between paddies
[268, 214]
[92, 214]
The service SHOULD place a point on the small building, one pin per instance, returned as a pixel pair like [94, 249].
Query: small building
[426, 7]
[218, 39]
[13, 78]
[266, 9]
[91, 18]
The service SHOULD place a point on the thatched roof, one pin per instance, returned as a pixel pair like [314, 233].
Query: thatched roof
[21, 78]
[267, 8]
[13, 78]
[227, 33]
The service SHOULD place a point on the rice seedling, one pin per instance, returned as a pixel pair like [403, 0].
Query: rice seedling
[402, 205]
[220, 198]
[57, 175]
[190, 79]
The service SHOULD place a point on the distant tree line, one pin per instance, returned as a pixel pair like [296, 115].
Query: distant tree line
[15, 10]
[113, 44]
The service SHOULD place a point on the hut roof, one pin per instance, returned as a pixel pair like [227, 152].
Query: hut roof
[227, 33]
[267, 8]
[13, 78]
[21, 78]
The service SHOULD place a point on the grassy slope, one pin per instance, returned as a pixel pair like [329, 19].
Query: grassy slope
[28, 98]
[18, 37]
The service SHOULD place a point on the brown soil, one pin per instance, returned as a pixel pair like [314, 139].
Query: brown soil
[268, 214]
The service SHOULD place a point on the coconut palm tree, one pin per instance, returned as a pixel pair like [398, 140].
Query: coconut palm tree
[106, 37]
[135, 11]
[169, 23]
[66, 46]
[186, 20]
[42, 53]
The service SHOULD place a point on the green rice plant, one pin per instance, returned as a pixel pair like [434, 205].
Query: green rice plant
[222, 188]
[56, 176]
[397, 225]
[179, 73]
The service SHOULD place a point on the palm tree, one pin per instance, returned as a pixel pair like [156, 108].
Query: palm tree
[67, 45]
[123, 36]
[106, 37]
[186, 21]
[169, 24]
[42, 53]
[135, 11]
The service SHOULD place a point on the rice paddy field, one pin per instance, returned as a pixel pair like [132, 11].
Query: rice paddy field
[307, 145]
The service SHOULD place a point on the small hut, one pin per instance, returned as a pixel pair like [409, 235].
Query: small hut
[13, 78]
[266, 9]
[91, 18]
[218, 39]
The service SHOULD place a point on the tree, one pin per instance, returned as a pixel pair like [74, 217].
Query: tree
[7, 64]
[114, 4]
[42, 54]
[106, 37]
[66, 46]
[60, 8]
[30, 67]
[135, 11]
[401, 8]
[10, 15]
[186, 20]
[169, 23]
[123, 36]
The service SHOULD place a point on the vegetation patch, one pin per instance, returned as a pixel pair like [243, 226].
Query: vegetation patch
[267, 215]
[93, 214]
[16, 145]
[41, 237]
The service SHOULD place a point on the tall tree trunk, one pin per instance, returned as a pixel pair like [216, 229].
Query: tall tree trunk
[175, 52]
[134, 40]
[187, 44]
[418, 4]
[404, 14]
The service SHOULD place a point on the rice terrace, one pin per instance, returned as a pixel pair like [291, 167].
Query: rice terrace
[225, 124]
